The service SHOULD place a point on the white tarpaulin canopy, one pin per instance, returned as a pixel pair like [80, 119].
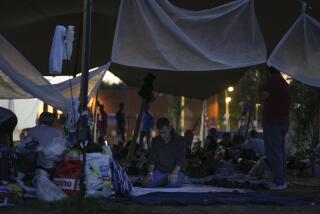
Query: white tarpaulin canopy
[191, 53]
[298, 53]
[18, 74]
[26, 111]
[21, 22]
[19, 80]
[158, 35]
[95, 78]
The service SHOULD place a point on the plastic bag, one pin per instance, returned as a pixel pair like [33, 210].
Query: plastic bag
[28, 145]
[52, 153]
[107, 150]
[98, 175]
[46, 190]
[27, 191]
[55, 148]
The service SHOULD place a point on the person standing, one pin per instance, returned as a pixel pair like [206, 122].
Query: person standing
[275, 122]
[211, 143]
[121, 124]
[146, 127]
[102, 124]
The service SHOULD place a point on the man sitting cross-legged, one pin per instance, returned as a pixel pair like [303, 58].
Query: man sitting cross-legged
[167, 157]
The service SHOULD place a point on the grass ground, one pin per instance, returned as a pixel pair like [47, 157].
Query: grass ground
[307, 187]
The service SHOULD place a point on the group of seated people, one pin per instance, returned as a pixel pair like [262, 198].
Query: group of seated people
[203, 161]
[30, 152]
[170, 157]
[43, 146]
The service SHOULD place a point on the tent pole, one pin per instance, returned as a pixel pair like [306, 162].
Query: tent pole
[45, 107]
[136, 131]
[85, 63]
[146, 97]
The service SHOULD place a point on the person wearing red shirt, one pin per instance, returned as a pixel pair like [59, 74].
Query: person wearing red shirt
[275, 122]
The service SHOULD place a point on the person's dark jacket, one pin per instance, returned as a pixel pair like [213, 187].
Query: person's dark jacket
[166, 156]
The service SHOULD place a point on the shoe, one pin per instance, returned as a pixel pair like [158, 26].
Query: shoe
[274, 186]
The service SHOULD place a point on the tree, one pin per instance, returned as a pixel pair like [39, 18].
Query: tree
[304, 115]
[174, 111]
[245, 90]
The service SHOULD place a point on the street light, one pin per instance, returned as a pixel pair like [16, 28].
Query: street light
[230, 89]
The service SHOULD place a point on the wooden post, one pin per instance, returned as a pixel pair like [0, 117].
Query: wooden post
[147, 96]
[45, 107]
[55, 113]
[136, 131]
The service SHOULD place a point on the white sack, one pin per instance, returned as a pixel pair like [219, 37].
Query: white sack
[46, 190]
[98, 175]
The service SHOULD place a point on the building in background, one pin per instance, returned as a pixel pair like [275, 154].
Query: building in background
[111, 97]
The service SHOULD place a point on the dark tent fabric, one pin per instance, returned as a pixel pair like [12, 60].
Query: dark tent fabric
[29, 26]
[200, 85]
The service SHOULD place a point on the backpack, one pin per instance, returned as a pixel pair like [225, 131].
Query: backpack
[122, 186]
